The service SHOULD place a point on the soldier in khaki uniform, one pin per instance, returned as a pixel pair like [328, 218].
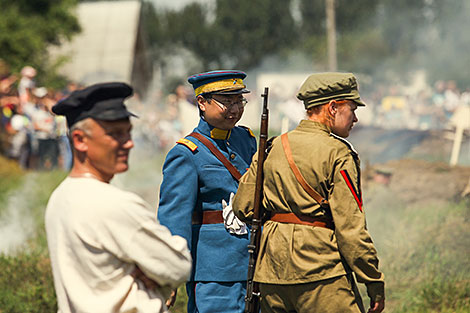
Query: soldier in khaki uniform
[315, 236]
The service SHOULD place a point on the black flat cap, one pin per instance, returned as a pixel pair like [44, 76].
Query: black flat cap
[104, 101]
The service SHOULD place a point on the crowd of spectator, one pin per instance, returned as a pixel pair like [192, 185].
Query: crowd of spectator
[398, 107]
[165, 119]
[29, 132]
[37, 139]
[417, 106]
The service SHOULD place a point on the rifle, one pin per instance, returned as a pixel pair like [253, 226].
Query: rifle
[252, 288]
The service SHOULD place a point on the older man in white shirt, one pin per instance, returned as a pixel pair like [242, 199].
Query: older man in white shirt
[108, 252]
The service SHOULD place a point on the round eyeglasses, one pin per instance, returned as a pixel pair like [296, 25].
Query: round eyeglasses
[240, 103]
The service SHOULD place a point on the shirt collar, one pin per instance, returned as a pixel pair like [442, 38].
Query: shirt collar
[308, 125]
[213, 132]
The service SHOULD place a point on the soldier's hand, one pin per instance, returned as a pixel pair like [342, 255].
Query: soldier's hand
[376, 307]
[172, 299]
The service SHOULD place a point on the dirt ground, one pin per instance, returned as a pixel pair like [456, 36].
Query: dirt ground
[417, 163]
[421, 181]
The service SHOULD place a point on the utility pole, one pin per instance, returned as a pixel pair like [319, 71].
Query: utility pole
[331, 35]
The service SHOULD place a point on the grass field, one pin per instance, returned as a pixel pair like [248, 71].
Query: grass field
[10, 178]
[25, 277]
[423, 250]
[424, 255]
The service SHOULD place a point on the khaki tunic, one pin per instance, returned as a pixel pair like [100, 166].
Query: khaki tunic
[293, 253]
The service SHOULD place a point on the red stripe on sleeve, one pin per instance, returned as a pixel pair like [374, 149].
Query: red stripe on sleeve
[346, 177]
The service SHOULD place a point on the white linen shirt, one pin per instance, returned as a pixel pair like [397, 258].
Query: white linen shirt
[97, 234]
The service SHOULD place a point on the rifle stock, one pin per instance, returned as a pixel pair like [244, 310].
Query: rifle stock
[252, 289]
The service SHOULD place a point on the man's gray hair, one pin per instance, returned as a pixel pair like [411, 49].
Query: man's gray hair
[83, 125]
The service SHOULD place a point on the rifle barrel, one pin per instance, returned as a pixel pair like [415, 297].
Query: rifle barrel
[252, 289]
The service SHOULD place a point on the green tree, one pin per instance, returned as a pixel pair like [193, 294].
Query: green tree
[28, 28]
[249, 31]
[426, 34]
[384, 38]
[356, 33]
[392, 36]
[168, 31]
[193, 30]
[239, 34]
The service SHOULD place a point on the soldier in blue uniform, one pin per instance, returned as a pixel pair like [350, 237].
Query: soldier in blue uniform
[200, 177]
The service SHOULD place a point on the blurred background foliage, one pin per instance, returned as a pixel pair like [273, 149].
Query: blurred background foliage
[28, 28]
[384, 38]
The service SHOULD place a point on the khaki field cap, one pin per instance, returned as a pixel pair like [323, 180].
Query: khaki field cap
[321, 88]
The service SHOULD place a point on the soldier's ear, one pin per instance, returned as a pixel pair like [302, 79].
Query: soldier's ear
[201, 102]
[332, 107]
[79, 140]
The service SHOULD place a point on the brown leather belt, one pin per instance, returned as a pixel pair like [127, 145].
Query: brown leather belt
[215, 217]
[291, 218]
[207, 217]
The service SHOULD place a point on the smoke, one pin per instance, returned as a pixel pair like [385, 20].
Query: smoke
[16, 222]
[144, 174]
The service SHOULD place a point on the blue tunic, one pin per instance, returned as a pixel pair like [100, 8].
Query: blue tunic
[198, 181]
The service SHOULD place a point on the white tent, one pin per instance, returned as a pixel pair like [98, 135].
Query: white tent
[110, 45]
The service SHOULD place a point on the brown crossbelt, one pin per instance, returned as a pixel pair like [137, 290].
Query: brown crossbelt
[216, 152]
[298, 175]
[207, 217]
[291, 218]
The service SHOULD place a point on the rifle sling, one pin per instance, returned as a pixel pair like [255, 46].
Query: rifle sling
[312, 192]
[216, 152]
